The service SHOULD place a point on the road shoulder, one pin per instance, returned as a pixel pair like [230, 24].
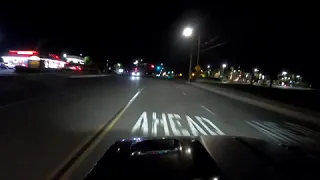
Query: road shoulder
[279, 107]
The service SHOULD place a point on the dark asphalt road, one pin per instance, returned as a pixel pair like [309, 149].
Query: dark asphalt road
[38, 134]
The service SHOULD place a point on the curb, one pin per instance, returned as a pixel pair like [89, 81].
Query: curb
[88, 76]
[265, 105]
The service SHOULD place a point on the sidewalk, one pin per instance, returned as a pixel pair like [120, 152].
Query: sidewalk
[272, 105]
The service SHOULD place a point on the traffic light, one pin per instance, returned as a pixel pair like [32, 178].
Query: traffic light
[158, 67]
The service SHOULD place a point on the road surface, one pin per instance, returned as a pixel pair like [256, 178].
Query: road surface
[39, 135]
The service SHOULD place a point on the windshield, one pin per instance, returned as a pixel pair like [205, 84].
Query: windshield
[73, 80]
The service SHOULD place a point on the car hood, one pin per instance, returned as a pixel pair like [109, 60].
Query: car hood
[206, 157]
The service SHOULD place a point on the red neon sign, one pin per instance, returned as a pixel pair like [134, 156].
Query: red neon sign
[31, 53]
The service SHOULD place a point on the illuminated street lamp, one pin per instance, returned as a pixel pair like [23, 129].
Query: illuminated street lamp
[208, 66]
[187, 31]
[256, 70]
[64, 55]
[298, 76]
[284, 73]
[135, 62]
[223, 66]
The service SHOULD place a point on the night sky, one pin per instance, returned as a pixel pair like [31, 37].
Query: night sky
[272, 37]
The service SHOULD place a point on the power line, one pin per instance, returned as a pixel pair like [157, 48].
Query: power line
[211, 47]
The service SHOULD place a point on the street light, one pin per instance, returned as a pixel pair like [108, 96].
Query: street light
[256, 70]
[223, 66]
[208, 66]
[187, 31]
[64, 55]
[135, 62]
[284, 73]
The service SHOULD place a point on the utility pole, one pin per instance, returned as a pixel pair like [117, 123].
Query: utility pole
[198, 54]
[190, 65]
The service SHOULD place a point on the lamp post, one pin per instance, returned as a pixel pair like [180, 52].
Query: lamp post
[223, 66]
[187, 32]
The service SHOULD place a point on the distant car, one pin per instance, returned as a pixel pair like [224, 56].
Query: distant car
[76, 68]
[135, 73]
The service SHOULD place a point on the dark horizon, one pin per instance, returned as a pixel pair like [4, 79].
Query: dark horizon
[270, 37]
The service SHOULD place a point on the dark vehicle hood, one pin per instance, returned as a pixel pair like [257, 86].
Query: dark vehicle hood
[207, 157]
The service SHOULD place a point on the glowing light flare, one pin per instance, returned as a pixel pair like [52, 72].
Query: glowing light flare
[15, 59]
[75, 60]
[35, 58]
[23, 52]
[187, 32]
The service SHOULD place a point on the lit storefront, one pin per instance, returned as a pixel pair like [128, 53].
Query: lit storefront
[32, 60]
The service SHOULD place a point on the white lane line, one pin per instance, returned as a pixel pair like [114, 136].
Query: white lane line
[207, 110]
[265, 132]
[281, 132]
[271, 131]
[302, 129]
[184, 93]
[104, 129]
[289, 133]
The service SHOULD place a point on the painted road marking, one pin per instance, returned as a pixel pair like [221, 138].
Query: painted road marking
[172, 124]
[303, 130]
[184, 93]
[288, 133]
[64, 170]
[208, 110]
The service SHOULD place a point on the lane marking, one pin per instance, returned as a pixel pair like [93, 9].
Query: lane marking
[171, 123]
[208, 110]
[65, 169]
[265, 132]
[184, 93]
